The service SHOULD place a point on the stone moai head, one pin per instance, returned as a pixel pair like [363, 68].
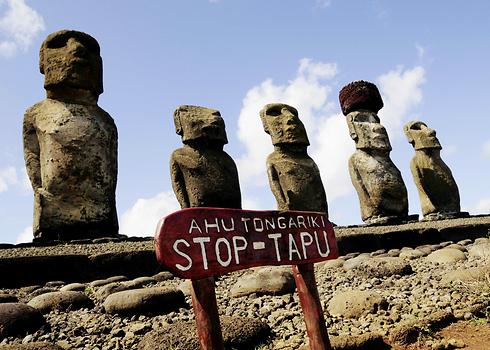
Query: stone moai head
[69, 58]
[200, 124]
[360, 102]
[420, 136]
[282, 123]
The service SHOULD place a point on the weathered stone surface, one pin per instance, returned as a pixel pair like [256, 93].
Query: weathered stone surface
[438, 192]
[155, 300]
[61, 301]
[360, 95]
[475, 274]
[103, 292]
[385, 266]
[294, 177]
[238, 333]
[482, 240]
[351, 304]
[163, 276]
[355, 262]
[412, 254]
[40, 291]
[70, 143]
[446, 256]
[378, 182]
[265, 281]
[77, 287]
[481, 250]
[202, 173]
[31, 346]
[367, 341]
[100, 283]
[18, 319]
[329, 264]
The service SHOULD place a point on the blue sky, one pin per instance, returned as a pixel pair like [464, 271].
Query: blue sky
[429, 59]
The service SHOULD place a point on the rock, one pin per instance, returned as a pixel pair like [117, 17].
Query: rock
[156, 300]
[474, 274]
[103, 292]
[61, 301]
[41, 291]
[139, 282]
[265, 281]
[31, 346]
[368, 341]
[238, 333]
[77, 287]
[446, 256]
[482, 240]
[100, 283]
[411, 254]
[456, 246]
[384, 267]
[355, 262]
[18, 319]
[330, 264]
[163, 276]
[355, 303]
[185, 287]
[8, 298]
[481, 250]
[404, 333]
[55, 284]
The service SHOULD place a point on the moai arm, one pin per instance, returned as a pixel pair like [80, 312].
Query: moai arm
[362, 192]
[276, 187]
[425, 202]
[31, 152]
[178, 183]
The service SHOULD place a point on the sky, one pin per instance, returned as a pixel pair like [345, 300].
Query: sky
[428, 58]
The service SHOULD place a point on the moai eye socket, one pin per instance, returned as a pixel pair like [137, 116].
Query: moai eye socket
[275, 111]
[57, 42]
[416, 126]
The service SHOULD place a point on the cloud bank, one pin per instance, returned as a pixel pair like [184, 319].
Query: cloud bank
[19, 25]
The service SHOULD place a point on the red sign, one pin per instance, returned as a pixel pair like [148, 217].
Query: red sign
[201, 242]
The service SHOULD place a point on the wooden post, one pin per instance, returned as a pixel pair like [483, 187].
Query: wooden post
[304, 276]
[206, 313]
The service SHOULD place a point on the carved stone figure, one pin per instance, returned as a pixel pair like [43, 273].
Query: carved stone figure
[203, 175]
[70, 143]
[438, 192]
[293, 176]
[378, 182]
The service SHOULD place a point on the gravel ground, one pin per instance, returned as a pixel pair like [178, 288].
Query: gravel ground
[421, 298]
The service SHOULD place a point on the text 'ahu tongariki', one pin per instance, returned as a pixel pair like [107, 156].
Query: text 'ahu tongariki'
[378, 182]
[438, 192]
[70, 143]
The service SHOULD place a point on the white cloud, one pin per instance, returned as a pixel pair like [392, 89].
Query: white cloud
[401, 91]
[8, 177]
[25, 236]
[310, 92]
[142, 218]
[482, 207]
[19, 25]
[420, 51]
[486, 149]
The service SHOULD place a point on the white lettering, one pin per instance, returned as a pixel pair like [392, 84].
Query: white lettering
[182, 254]
[292, 223]
[201, 241]
[280, 222]
[208, 225]
[291, 249]
[275, 237]
[228, 229]
[269, 224]
[314, 223]
[258, 228]
[324, 255]
[301, 221]
[304, 243]
[238, 248]
[194, 226]
[244, 220]
[218, 255]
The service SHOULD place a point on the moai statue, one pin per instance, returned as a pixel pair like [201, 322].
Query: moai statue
[70, 143]
[378, 182]
[438, 192]
[294, 177]
[295, 181]
[203, 175]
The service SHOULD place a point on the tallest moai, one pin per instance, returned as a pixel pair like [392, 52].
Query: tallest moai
[70, 143]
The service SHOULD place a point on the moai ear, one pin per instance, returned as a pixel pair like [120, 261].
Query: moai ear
[352, 129]
[178, 124]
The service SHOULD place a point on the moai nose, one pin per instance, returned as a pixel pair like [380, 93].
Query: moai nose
[76, 46]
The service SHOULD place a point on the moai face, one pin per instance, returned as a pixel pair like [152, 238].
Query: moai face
[282, 123]
[367, 132]
[70, 58]
[421, 136]
[196, 123]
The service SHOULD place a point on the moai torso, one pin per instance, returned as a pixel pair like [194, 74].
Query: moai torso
[378, 182]
[70, 145]
[293, 176]
[438, 192]
[203, 175]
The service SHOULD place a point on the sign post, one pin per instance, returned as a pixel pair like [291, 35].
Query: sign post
[199, 243]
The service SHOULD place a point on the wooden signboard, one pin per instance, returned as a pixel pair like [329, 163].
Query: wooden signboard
[198, 243]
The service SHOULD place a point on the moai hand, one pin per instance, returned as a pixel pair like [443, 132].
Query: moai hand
[70, 143]
[294, 177]
[203, 175]
[438, 192]
[378, 182]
